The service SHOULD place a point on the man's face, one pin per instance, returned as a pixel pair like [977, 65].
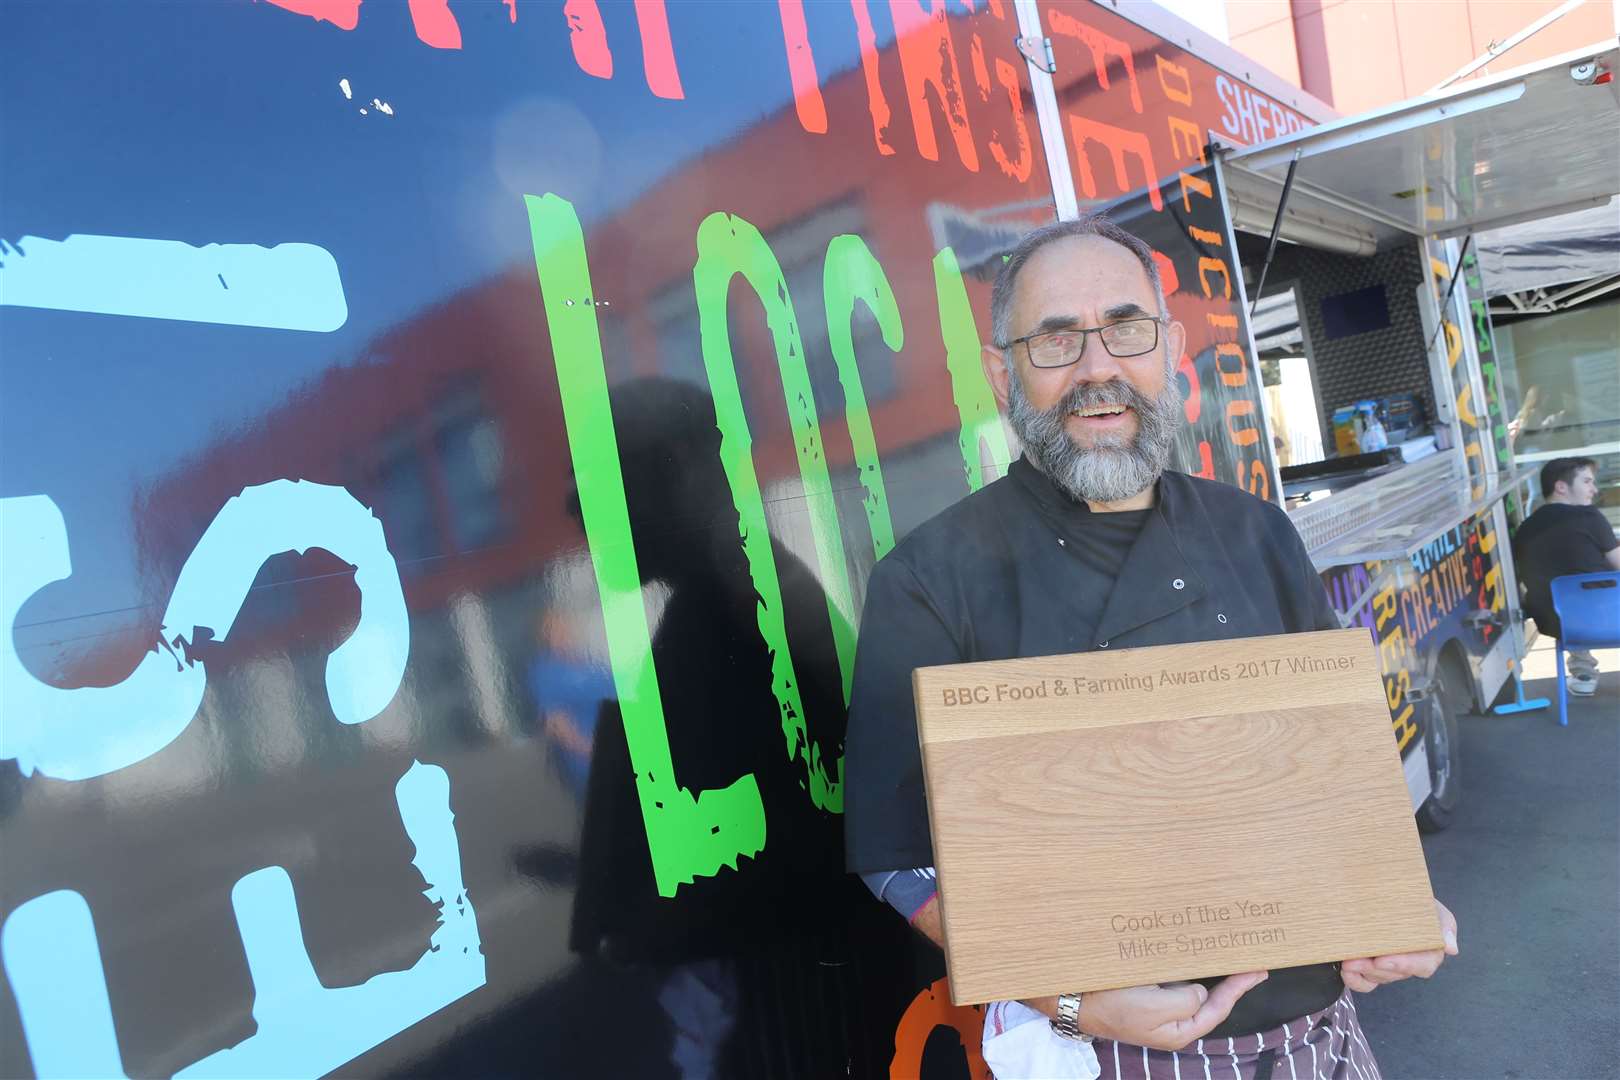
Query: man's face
[1103, 423]
[1582, 489]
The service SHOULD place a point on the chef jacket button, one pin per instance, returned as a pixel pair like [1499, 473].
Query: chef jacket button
[1102, 644]
[1178, 584]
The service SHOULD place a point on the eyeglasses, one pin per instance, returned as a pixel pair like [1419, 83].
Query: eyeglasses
[1060, 348]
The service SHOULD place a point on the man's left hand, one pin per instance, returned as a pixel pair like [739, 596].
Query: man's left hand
[1365, 976]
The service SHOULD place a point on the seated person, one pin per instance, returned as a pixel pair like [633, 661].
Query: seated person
[1566, 535]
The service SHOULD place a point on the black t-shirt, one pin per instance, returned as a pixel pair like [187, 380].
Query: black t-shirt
[1096, 554]
[1019, 569]
[1559, 539]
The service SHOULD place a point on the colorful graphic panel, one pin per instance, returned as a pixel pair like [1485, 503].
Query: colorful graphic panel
[1413, 610]
[449, 443]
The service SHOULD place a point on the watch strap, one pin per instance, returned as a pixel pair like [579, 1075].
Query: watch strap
[1067, 1021]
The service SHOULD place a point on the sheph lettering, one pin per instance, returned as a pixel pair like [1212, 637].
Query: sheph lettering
[1249, 117]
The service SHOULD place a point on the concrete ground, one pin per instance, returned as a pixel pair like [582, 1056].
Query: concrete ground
[1531, 867]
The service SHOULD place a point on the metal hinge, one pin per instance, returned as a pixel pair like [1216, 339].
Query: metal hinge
[1038, 51]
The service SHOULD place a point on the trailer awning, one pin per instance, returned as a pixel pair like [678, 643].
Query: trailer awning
[1582, 246]
[1529, 144]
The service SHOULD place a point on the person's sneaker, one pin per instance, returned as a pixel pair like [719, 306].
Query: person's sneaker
[1581, 685]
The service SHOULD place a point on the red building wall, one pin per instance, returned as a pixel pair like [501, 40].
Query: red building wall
[1361, 54]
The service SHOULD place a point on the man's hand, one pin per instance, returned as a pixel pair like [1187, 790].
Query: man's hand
[1365, 976]
[1159, 1017]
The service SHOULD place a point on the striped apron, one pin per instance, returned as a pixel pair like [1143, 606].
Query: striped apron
[1327, 1045]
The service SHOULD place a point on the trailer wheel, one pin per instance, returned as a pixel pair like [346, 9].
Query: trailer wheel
[1440, 738]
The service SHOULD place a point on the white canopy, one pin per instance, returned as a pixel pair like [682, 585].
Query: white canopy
[1536, 255]
[1531, 144]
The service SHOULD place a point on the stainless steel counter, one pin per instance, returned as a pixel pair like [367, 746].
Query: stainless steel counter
[1394, 515]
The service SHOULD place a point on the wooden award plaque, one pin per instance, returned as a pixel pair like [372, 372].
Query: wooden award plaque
[1149, 815]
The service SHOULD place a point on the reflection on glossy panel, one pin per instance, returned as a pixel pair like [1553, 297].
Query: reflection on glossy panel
[645, 330]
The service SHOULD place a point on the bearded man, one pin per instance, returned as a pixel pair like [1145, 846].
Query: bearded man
[1088, 543]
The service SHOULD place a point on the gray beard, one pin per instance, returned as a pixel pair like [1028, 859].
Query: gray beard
[1117, 466]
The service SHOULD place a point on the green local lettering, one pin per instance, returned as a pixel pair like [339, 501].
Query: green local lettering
[693, 834]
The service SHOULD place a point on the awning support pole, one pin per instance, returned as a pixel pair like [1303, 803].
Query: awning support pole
[1497, 48]
[1456, 275]
[1276, 230]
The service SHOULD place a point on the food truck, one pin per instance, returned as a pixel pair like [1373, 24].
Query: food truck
[1410, 527]
[445, 446]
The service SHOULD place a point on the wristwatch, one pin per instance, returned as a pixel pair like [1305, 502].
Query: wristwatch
[1067, 1021]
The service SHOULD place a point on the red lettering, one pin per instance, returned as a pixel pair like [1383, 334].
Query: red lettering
[876, 103]
[434, 24]
[1167, 272]
[432, 19]
[588, 38]
[981, 73]
[1007, 76]
[1206, 461]
[802, 68]
[657, 54]
[1102, 46]
[928, 61]
[343, 14]
[1193, 406]
[1119, 143]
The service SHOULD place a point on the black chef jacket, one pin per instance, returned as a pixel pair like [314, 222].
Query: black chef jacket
[995, 577]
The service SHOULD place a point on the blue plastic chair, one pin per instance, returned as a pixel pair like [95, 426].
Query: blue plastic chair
[1588, 608]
